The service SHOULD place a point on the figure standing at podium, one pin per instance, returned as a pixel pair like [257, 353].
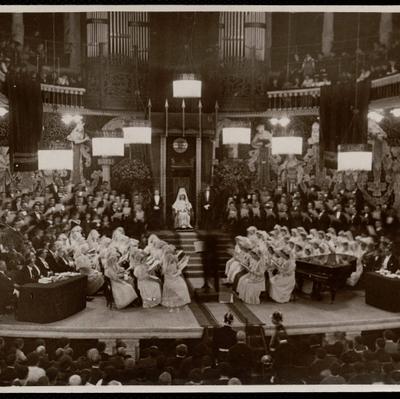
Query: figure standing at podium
[182, 210]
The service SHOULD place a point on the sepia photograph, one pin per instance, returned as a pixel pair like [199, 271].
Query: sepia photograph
[199, 198]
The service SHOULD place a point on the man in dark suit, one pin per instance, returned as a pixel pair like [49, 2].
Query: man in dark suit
[8, 374]
[156, 211]
[388, 261]
[30, 273]
[207, 208]
[210, 262]
[224, 338]
[270, 218]
[7, 291]
[323, 221]
[241, 357]
[41, 262]
[339, 220]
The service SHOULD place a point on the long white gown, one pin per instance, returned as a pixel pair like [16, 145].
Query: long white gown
[282, 284]
[182, 209]
[175, 291]
[123, 291]
[149, 287]
[253, 283]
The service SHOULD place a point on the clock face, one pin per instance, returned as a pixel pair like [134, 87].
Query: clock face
[180, 145]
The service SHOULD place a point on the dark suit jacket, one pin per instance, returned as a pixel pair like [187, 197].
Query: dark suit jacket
[323, 222]
[6, 291]
[44, 271]
[393, 264]
[24, 277]
[241, 359]
[224, 337]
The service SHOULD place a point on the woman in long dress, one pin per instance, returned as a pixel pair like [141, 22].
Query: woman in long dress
[282, 284]
[240, 256]
[148, 284]
[175, 291]
[85, 266]
[122, 289]
[253, 283]
[182, 210]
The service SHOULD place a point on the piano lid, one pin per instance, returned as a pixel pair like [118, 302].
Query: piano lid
[331, 260]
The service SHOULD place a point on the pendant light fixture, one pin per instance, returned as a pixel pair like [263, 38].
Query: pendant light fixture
[355, 156]
[238, 132]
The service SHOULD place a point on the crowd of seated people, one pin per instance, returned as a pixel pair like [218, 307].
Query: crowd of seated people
[309, 206]
[224, 358]
[267, 261]
[92, 231]
[273, 229]
[32, 58]
[310, 70]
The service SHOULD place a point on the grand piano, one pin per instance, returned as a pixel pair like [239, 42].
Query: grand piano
[325, 271]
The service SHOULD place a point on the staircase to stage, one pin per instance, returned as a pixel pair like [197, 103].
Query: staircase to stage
[185, 240]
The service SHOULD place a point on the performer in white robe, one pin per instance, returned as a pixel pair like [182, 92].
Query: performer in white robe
[240, 255]
[182, 210]
[121, 285]
[175, 291]
[282, 284]
[252, 284]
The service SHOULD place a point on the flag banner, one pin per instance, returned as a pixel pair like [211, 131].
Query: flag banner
[343, 118]
[25, 120]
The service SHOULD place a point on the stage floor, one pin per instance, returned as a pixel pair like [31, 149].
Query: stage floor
[349, 313]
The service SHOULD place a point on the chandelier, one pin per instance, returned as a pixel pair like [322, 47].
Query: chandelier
[108, 144]
[55, 159]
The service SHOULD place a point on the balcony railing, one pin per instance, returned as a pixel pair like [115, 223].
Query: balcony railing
[306, 99]
[64, 97]
[386, 87]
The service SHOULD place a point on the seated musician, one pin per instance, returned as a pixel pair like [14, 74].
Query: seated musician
[8, 294]
[240, 256]
[282, 278]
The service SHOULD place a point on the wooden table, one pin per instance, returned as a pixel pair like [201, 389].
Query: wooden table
[46, 303]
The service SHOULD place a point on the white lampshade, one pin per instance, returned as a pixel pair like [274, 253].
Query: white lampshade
[236, 135]
[55, 159]
[353, 158]
[287, 145]
[186, 86]
[108, 146]
[137, 134]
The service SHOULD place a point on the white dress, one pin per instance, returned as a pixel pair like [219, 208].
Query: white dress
[150, 288]
[252, 284]
[123, 291]
[282, 284]
[175, 291]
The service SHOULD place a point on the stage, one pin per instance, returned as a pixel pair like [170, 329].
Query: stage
[349, 313]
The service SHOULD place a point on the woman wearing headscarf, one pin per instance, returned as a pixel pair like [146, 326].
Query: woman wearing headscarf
[121, 285]
[149, 285]
[240, 256]
[175, 292]
[85, 266]
[359, 252]
[182, 210]
[93, 240]
[252, 284]
[282, 281]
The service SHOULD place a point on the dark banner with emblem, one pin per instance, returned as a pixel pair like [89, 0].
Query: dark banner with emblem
[343, 118]
[25, 121]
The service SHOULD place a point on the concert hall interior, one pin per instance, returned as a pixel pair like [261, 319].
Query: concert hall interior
[199, 197]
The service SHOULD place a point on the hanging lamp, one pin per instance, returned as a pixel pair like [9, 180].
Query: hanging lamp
[355, 156]
[238, 132]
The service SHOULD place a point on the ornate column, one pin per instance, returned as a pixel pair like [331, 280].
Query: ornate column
[17, 27]
[268, 39]
[327, 33]
[385, 28]
[72, 39]
[106, 164]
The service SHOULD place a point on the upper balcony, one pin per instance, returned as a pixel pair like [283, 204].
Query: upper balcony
[385, 92]
[62, 98]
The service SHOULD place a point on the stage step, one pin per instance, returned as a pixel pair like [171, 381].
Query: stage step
[184, 240]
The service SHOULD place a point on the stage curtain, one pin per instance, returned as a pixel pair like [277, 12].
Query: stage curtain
[25, 121]
[342, 121]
